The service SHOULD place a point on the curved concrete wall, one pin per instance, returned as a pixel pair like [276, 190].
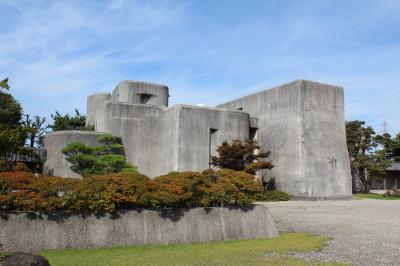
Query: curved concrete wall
[93, 103]
[136, 92]
[302, 123]
[26, 232]
[54, 142]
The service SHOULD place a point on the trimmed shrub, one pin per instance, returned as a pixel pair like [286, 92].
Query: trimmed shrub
[23, 191]
[186, 189]
[13, 167]
[109, 193]
[271, 195]
[231, 186]
[4, 166]
[21, 167]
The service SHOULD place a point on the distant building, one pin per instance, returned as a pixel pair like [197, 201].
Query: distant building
[389, 181]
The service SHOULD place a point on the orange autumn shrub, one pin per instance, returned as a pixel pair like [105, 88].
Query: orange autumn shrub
[232, 187]
[23, 191]
[186, 189]
[20, 191]
[13, 167]
[109, 193]
[21, 167]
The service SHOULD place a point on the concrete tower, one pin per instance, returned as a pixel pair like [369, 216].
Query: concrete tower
[136, 92]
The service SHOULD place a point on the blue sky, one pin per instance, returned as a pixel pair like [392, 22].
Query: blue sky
[56, 53]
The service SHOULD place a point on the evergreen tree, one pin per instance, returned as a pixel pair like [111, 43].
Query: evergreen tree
[35, 129]
[368, 157]
[391, 146]
[395, 149]
[12, 133]
[102, 159]
[67, 122]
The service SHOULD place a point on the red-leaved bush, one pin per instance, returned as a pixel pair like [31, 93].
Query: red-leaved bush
[23, 191]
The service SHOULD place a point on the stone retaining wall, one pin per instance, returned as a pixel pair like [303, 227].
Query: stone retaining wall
[31, 232]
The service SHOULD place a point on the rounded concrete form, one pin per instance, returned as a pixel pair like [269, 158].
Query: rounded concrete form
[54, 142]
[137, 92]
[93, 103]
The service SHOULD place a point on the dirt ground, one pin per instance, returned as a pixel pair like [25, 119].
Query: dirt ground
[364, 232]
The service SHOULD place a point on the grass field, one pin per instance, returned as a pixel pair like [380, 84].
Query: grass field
[242, 252]
[373, 196]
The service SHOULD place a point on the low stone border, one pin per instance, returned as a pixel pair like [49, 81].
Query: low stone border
[32, 232]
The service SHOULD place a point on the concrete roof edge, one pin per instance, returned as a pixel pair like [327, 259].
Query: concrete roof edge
[141, 82]
[298, 81]
[317, 82]
[72, 132]
[100, 93]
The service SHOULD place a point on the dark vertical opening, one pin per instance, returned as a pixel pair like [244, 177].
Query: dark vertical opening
[211, 142]
[252, 133]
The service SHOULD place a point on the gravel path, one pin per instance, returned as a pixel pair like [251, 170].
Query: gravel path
[365, 232]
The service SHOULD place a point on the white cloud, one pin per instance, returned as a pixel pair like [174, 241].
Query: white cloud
[58, 52]
[63, 47]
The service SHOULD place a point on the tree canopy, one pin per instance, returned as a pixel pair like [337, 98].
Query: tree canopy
[35, 130]
[391, 146]
[68, 122]
[369, 156]
[106, 158]
[12, 133]
[4, 84]
[240, 156]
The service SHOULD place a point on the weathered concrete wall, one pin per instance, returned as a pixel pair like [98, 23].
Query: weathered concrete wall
[138, 92]
[149, 135]
[54, 142]
[201, 130]
[23, 232]
[93, 102]
[159, 140]
[302, 123]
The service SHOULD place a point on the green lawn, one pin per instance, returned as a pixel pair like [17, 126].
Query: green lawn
[373, 196]
[242, 252]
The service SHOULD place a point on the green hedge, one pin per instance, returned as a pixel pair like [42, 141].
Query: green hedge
[273, 195]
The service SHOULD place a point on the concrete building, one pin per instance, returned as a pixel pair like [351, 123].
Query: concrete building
[302, 123]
